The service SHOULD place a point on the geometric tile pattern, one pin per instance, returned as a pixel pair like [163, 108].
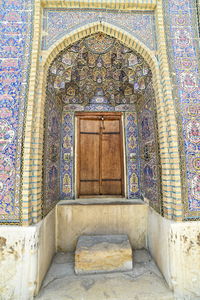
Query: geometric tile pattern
[96, 69]
[15, 48]
[59, 22]
[184, 57]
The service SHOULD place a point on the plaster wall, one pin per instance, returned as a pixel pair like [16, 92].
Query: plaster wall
[46, 246]
[25, 256]
[176, 249]
[26, 252]
[76, 220]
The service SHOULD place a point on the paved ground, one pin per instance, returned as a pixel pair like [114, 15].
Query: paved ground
[144, 282]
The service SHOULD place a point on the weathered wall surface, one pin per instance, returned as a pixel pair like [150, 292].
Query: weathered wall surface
[18, 262]
[176, 250]
[25, 256]
[46, 246]
[75, 220]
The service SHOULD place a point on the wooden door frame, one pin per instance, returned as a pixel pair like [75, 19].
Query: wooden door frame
[85, 115]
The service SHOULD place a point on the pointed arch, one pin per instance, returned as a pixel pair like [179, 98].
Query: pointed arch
[35, 130]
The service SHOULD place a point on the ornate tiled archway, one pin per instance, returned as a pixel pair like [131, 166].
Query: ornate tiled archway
[170, 29]
[101, 65]
[165, 130]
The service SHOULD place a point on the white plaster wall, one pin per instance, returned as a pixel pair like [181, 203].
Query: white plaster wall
[18, 262]
[25, 255]
[158, 243]
[46, 247]
[176, 249]
[26, 252]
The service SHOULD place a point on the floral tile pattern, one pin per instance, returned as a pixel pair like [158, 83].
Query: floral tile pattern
[149, 149]
[181, 22]
[51, 162]
[15, 49]
[67, 156]
[132, 155]
[59, 22]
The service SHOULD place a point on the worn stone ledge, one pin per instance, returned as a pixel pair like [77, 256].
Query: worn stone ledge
[103, 253]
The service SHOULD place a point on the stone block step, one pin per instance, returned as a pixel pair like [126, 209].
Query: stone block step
[103, 253]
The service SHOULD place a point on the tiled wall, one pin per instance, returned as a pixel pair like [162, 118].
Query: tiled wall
[59, 22]
[183, 53]
[132, 155]
[181, 34]
[67, 156]
[52, 145]
[149, 149]
[16, 19]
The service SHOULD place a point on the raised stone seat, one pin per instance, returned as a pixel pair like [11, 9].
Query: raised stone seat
[103, 253]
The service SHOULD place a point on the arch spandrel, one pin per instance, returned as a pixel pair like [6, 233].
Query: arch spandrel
[101, 26]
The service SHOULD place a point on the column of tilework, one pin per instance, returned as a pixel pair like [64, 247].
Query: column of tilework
[172, 204]
[183, 52]
[15, 52]
[32, 168]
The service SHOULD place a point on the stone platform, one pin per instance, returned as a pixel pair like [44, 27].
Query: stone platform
[103, 253]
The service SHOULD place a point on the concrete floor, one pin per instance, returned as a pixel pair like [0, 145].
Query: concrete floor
[142, 283]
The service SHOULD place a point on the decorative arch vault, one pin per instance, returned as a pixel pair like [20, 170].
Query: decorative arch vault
[39, 97]
[99, 73]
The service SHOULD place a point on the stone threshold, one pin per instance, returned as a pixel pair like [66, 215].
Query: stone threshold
[102, 201]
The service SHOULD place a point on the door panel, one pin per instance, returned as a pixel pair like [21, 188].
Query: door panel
[111, 164]
[100, 160]
[89, 188]
[111, 158]
[111, 125]
[89, 157]
[87, 125]
[111, 188]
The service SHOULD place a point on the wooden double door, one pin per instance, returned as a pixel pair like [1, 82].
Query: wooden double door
[100, 154]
